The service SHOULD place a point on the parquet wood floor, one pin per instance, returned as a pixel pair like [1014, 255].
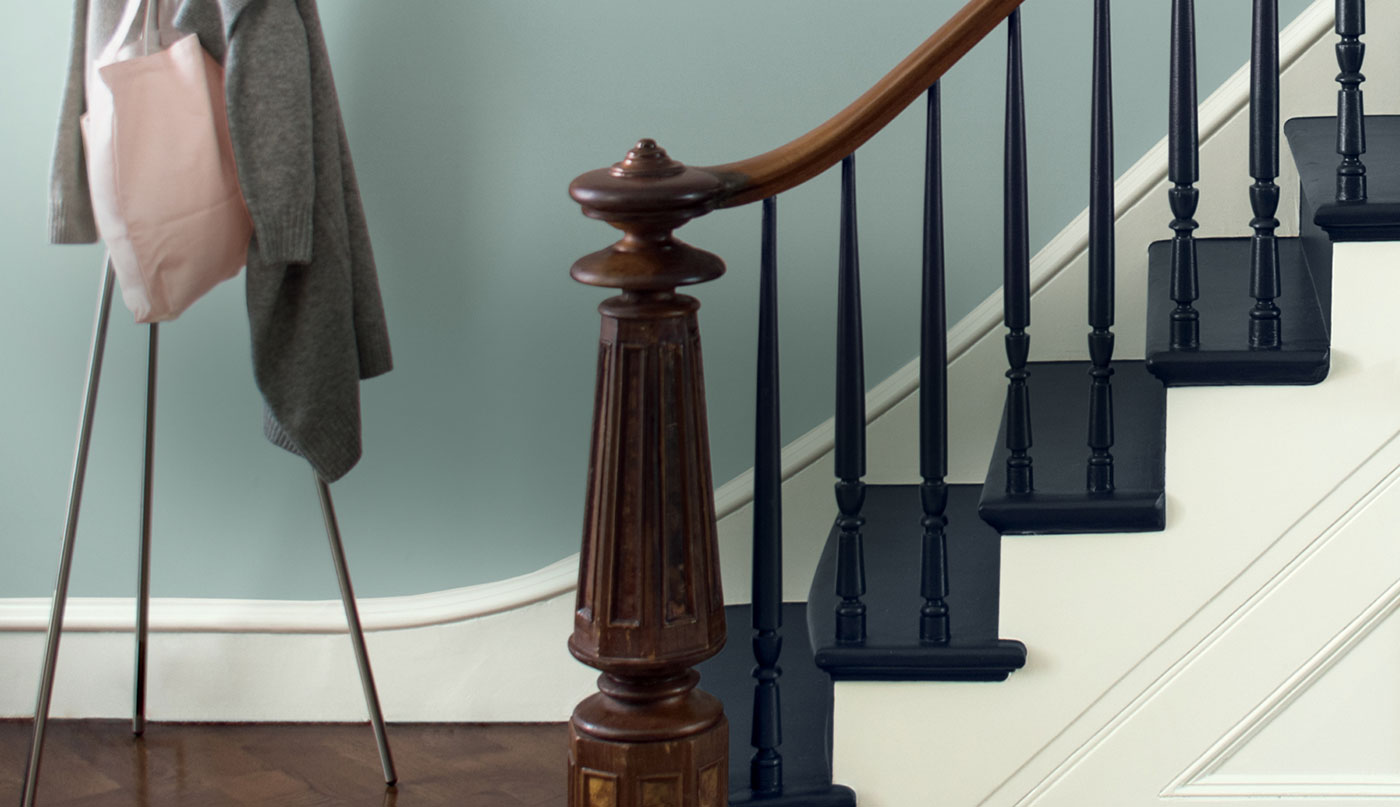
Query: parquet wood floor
[97, 763]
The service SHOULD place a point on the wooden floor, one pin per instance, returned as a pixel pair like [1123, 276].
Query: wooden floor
[92, 763]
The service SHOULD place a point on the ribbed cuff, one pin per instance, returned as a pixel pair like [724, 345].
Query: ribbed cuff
[286, 238]
[71, 226]
[330, 441]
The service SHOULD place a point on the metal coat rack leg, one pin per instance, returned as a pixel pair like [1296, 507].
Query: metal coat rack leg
[65, 563]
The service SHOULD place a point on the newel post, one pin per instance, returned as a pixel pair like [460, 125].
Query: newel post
[649, 600]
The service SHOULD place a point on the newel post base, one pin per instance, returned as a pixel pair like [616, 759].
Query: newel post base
[624, 748]
[649, 602]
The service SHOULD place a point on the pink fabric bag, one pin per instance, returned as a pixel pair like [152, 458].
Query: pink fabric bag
[161, 171]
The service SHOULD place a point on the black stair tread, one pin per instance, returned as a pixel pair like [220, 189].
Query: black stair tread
[1059, 396]
[1313, 142]
[805, 695]
[1224, 357]
[892, 539]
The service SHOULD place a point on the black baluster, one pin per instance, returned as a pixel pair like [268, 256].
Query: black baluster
[1184, 170]
[1264, 283]
[850, 422]
[1351, 115]
[1101, 257]
[766, 767]
[933, 393]
[1017, 269]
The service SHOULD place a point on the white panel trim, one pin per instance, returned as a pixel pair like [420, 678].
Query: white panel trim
[1202, 779]
[1389, 455]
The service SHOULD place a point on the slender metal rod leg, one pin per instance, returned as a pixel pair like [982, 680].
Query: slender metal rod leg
[357, 635]
[143, 571]
[70, 529]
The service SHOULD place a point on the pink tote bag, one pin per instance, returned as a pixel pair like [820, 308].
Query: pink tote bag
[161, 171]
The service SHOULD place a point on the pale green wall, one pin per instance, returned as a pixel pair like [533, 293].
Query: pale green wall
[467, 121]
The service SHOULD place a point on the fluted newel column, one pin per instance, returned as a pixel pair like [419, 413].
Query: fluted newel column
[766, 766]
[1016, 269]
[1264, 282]
[933, 393]
[1101, 258]
[850, 422]
[1351, 115]
[649, 602]
[1184, 170]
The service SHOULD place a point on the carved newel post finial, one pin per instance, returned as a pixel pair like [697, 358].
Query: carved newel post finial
[649, 602]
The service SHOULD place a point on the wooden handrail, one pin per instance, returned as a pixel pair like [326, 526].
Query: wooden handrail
[635, 188]
[790, 165]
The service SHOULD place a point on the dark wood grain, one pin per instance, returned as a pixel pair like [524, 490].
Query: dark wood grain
[649, 604]
[93, 763]
[807, 156]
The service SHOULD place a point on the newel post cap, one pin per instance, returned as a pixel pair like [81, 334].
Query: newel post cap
[647, 195]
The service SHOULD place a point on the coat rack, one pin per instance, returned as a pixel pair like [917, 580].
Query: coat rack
[75, 495]
[143, 598]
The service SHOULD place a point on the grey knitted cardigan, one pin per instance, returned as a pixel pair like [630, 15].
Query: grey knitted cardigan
[314, 308]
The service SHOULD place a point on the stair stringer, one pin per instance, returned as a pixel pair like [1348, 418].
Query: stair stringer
[1147, 650]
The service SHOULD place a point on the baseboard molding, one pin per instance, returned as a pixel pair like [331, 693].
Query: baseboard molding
[203, 615]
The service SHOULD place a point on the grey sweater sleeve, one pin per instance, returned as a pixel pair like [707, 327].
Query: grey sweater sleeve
[268, 86]
[70, 205]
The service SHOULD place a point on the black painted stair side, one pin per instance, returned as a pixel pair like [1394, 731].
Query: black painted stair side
[1059, 502]
[1313, 142]
[892, 650]
[1224, 357]
[805, 691]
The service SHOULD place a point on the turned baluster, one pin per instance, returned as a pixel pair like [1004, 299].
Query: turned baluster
[1264, 283]
[1017, 269]
[933, 392]
[649, 604]
[1184, 170]
[1101, 257]
[1351, 114]
[766, 766]
[850, 422]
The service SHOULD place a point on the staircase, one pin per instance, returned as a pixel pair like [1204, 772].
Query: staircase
[1192, 574]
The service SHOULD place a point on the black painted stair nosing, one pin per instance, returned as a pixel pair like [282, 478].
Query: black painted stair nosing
[1224, 357]
[1313, 142]
[1060, 503]
[805, 696]
[892, 650]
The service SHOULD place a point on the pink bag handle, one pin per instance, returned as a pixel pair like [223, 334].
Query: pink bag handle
[123, 29]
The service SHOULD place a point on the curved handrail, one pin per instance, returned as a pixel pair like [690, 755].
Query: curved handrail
[790, 165]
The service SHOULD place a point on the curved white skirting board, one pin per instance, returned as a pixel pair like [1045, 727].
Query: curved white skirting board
[206, 615]
[497, 651]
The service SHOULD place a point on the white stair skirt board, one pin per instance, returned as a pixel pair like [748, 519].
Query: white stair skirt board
[1193, 663]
